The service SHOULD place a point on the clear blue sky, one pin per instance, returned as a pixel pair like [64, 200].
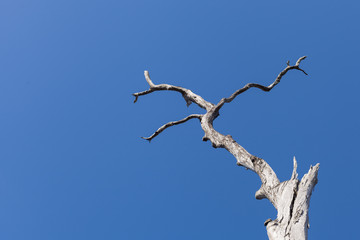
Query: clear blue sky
[72, 165]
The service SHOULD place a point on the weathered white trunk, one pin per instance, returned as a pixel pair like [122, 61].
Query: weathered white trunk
[292, 222]
[291, 198]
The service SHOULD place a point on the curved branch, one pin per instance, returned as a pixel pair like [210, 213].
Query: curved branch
[136, 95]
[244, 158]
[261, 87]
[170, 124]
[187, 94]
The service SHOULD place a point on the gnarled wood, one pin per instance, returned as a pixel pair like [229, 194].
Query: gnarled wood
[291, 198]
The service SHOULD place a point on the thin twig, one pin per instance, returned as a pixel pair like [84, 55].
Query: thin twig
[170, 124]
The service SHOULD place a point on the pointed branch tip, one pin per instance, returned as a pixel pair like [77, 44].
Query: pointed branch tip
[300, 59]
[302, 71]
[145, 138]
[136, 97]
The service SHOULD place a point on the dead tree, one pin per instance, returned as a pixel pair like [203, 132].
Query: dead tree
[291, 198]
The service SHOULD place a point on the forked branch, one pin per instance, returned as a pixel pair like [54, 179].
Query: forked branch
[264, 88]
[188, 95]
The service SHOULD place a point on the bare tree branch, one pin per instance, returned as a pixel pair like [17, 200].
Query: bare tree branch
[147, 78]
[170, 124]
[187, 94]
[290, 198]
[136, 95]
[264, 88]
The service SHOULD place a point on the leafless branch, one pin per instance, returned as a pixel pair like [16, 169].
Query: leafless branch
[136, 95]
[170, 124]
[187, 94]
[264, 88]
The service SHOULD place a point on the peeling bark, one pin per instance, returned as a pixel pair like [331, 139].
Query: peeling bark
[291, 198]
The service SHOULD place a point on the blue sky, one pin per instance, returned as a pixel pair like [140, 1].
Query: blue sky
[73, 166]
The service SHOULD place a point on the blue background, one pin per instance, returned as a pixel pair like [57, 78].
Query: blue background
[72, 165]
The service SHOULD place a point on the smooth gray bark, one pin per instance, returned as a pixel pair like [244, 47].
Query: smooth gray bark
[291, 198]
